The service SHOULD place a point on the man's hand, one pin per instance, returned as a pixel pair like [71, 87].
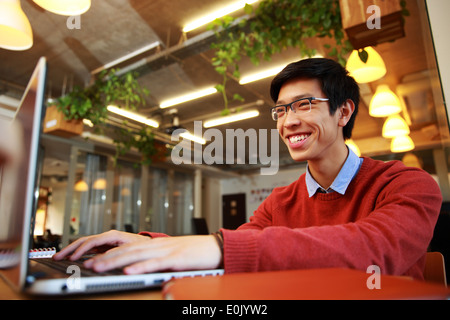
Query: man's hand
[99, 242]
[141, 254]
[159, 254]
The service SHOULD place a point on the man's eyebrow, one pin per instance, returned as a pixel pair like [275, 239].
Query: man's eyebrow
[305, 95]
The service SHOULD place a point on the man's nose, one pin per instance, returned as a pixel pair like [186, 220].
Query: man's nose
[291, 119]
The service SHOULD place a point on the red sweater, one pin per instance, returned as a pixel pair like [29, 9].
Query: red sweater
[386, 218]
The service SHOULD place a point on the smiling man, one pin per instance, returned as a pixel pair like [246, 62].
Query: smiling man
[345, 211]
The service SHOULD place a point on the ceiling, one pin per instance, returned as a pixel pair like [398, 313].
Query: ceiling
[114, 28]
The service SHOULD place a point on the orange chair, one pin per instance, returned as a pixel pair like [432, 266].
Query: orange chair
[435, 268]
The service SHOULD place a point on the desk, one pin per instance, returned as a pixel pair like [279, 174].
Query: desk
[316, 284]
[312, 284]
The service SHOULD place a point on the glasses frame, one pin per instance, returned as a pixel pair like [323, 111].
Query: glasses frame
[275, 115]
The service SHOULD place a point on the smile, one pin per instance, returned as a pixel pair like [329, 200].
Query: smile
[294, 139]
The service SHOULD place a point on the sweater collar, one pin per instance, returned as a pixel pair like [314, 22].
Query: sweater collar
[340, 184]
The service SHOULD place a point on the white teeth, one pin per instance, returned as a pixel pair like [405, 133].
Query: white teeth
[295, 139]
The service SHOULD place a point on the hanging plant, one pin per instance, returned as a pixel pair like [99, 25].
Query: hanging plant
[273, 26]
[109, 89]
[142, 140]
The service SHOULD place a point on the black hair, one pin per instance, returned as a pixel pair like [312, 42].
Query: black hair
[337, 84]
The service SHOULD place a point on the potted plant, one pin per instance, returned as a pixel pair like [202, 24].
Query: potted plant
[91, 103]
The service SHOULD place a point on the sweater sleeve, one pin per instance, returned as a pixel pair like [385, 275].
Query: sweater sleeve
[152, 234]
[394, 236]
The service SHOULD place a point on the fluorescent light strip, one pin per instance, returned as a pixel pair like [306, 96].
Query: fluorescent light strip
[133, 116]
[232, 118]
[261, 75]
[267, 73]
[127, 57]
[190, 136]
[188, 97]
[216, 14]
[88, 123]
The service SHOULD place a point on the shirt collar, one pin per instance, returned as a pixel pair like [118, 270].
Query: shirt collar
[345, 176]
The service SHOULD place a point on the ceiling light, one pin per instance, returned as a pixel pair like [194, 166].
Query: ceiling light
[99, 184]
[384, 102]
[190, 136]
[88, 123]
[261, 75]
[231, 118]
[187, 97]
[81, 186]
[268, 72]
[372, 70]
[352, 145]
[133, 116]
[411, 160]
[65, 7]
[125, 192]
[402, 144]
[15, 29]
[127, 57]
[216, 14]
[395, 126]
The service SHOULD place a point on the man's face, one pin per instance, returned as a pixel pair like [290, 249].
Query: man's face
[309, 136]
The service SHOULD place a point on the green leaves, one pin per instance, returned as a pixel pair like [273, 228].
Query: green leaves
[363, 55]
[92, 102]
[220, 88]
[273, 26]
[248, 9]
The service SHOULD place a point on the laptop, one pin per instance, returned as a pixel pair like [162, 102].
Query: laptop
[19, 185]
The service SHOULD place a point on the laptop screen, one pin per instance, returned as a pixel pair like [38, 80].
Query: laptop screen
[19, 179]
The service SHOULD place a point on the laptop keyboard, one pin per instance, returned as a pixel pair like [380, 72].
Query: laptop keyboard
[63, 265]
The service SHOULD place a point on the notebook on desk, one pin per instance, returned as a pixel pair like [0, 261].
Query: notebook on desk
[19, 184]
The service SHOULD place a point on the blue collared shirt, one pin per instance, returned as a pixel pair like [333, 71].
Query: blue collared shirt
[345, 176]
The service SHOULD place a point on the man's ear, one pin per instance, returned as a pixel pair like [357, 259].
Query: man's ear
[345, 112]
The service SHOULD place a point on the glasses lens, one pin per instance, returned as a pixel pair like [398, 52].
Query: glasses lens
[278, 112]
[301, 106]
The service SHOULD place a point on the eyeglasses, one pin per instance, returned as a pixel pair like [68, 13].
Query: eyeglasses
[299, 106]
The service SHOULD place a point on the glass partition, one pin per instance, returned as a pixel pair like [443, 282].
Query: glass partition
[126, 195]
[89, 194]
[183, 203]
[157, 201]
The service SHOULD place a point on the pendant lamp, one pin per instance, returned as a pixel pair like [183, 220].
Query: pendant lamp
[384, 102]
[411, 160]
[395, 126]
[372, 70]
[402, 144]
[81, 186]
[65, 7]
[15, 29]
[99, 184]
